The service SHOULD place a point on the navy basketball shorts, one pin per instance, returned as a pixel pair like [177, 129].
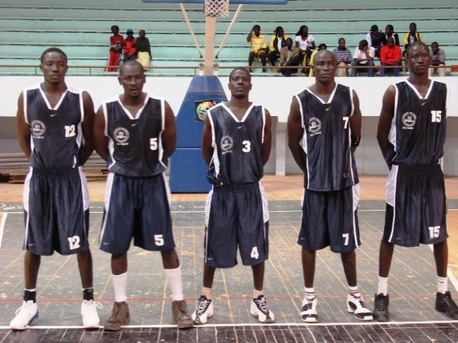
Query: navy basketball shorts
[236, 217]
[330, 219]
[138, 208]
[415, 206]
[56, 212]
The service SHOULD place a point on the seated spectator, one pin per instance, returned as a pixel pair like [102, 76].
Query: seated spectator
[306, 43]
[116, 44]
[389, 33]
[363, 57]
[289, 56]
[437, 59]
[277, 42]
[390, 55]
[375, 39]
[343, 57]
[322, 46]
[258, 46]
[144, 50]
[411, 36]
[130, 46]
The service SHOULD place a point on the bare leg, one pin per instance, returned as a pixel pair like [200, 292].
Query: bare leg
[258, 276]
[385, 257]
[119, 263]
[349, 266]
[441, 257]
[31, 267]
[84, 259]
[308, 266]
[209, 275]
[170, 259]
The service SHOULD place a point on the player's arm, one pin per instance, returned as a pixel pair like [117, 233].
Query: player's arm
[295, 133]
[100, 140]
[355, 123]
[267, 143]
[88, 127]
[23, 129]
[169, 135]
[207, 148]
[384, 122]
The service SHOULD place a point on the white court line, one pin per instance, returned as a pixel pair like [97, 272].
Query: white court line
[2, 226]
[311, 325]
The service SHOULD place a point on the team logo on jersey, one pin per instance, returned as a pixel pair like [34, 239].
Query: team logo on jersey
[38, 129]
[408, 120]
[121, 136]
[226, 144]
[314, 126]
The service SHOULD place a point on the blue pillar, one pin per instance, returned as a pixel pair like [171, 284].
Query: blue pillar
[188, 170]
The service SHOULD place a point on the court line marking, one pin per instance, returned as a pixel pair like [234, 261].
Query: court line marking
[2, 226]
[311, 325]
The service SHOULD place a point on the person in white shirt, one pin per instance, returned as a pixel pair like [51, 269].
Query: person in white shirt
[363, 56]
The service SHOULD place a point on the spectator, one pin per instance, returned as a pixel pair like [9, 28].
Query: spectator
[258, 46]
[144, 50]
[343, 57]
[363, 57]
[375, 39]
[389, 33]
[437, 59]
[322, 46]
[306, 43]
[390, 55]
[289, 56]
[411, 36]
[277, 42]
[116, 44]
[130, 46]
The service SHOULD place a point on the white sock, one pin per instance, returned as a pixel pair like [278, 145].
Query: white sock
[120, 287]
[207, 292]
[256, 293]
[382, 285]
[442, 284]
[309, 293]
[354, 290]
[175, 283]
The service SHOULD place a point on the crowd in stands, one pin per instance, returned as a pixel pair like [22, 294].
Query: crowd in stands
[128, 49]
[296, 54]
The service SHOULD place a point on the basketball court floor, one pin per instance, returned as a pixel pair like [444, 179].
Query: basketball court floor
[412, 281]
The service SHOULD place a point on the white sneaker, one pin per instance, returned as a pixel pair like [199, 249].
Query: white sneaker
[309, 313]
[89, 313]
[203, 311]
[25, 315]
[260, 309]
[357, 306]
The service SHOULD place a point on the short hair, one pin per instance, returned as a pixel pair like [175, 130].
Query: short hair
[322, 46]
[414, 44]
[237, 69]
[130, 63]
[114, 26]
[53, 49]
[257, 27]
[390, 26]
[278, 28]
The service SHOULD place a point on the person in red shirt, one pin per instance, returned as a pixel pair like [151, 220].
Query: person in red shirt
[130, 46]
[116, 44]
[390, 55]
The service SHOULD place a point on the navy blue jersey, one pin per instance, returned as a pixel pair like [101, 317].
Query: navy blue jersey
[237, 145]
[55, 133]
[417, 133]
[329, 161]
[135, 146]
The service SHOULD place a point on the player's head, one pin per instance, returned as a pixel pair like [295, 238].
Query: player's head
[418, 57]
[53, 65]
[240, 82]
[324, 65]
[132, 78]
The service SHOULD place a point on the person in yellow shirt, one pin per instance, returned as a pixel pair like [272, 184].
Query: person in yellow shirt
[258, 47]
[277, 42]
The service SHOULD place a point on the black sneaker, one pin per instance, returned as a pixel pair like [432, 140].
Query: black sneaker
[445, 304]
[381, 303]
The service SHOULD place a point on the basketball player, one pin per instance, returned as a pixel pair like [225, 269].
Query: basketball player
[411, 135]
[136, 135]
[324, 129]
[236, 144]
[55, 125]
